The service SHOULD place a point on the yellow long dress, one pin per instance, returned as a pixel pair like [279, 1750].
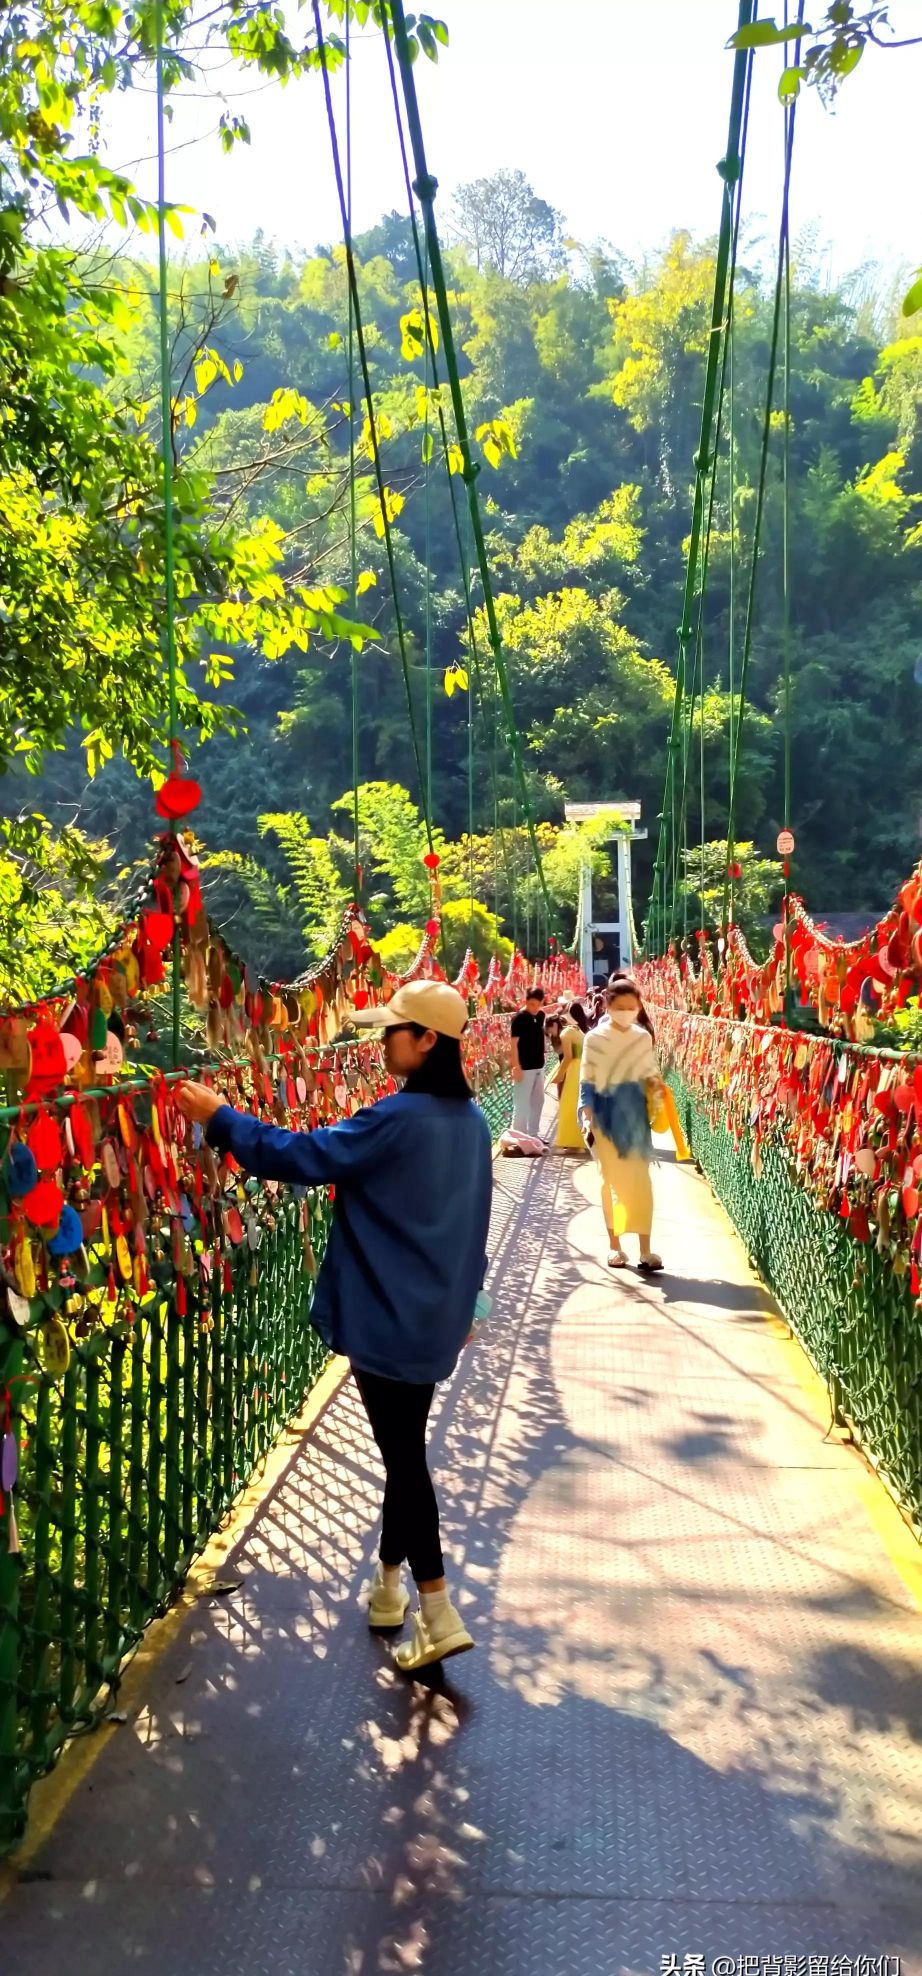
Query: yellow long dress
[569, 1135]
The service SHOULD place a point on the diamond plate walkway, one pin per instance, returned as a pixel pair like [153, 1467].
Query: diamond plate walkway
[693, 1725]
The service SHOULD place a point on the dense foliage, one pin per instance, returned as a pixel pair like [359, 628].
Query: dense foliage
[582, 379]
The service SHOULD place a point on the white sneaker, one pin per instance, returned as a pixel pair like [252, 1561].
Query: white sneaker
[434, 1641]
[386, 1607]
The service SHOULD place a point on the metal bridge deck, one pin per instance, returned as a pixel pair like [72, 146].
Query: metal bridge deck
[692, 1728]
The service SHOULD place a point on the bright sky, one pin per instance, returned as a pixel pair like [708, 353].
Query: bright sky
[615, 109]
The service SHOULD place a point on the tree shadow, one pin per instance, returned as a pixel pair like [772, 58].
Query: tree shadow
[665, 1742]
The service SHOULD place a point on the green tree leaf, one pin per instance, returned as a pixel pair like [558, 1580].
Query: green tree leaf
[767, 34]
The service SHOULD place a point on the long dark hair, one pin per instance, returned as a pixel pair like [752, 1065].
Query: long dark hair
[578, 1015]
[441, 1073]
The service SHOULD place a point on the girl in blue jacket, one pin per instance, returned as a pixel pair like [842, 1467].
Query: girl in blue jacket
[403, 1267]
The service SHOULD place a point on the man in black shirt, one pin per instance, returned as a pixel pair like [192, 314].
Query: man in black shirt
[527, 1050]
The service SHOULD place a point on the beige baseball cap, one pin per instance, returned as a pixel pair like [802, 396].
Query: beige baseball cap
[431, 1004]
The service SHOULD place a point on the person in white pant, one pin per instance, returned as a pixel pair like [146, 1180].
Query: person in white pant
[527, 1053]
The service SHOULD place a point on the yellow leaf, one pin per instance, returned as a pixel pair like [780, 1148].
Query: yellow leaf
[413, 327]
[191, 411]
[450, 681]
[496, 438]
[366, 581]
[411, 335]
[393, 502]
[205, 374]
[455, 459]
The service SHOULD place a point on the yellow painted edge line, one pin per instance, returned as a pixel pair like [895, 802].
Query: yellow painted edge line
[894, 1532]
[51, 1795]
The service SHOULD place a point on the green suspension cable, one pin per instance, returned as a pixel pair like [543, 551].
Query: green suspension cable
[726, 361]
[703, 838]
[786, 538]
[426, 187]
[731, 643]
[353, 530]
[515, 887]
[785, 520]
[169, 552]
[760, 501]
[166, 409]
[372, 425]
[421, 250]
[720, 324]
[730, 169]
[470, 803]
[427, 449]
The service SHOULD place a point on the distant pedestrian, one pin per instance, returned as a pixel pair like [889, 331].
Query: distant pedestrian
[527, 1051]
[619, 1078]
[569, 1136]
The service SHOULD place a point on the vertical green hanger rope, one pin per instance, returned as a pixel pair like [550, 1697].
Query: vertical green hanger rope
[786, 534]
[353, 532]
[166, 419]
[731, 640]
[726, 373]
[427, 469]
[426, 187]
[489, 713]
[373, 426]
[755, 550]
[470, 777]
[730, 169]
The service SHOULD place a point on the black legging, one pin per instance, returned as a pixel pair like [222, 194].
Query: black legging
[398, 1413]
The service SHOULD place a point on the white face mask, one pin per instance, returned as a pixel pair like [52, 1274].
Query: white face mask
[622, 1018]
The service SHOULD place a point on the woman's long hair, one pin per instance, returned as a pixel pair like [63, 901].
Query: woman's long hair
[441, 1073]
[577, 1014]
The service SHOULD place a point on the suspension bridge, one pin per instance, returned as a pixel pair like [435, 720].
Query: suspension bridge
[682, 1512]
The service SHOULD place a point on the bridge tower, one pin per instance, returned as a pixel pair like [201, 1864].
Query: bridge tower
[606, 944]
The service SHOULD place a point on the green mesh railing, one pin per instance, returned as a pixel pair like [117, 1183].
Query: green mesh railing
[132, 1459]
[854, 1315]
[495, 1101]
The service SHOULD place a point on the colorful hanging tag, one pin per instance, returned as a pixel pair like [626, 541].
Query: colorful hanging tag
[54, 1347]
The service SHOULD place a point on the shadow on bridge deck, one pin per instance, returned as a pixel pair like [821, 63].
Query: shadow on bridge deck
[693, 1725]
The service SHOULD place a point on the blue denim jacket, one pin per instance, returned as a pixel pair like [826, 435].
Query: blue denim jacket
[407, 1250]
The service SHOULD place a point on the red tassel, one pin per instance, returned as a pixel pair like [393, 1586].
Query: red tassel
[180, 1296]
[111, 1290]
[228, 1278]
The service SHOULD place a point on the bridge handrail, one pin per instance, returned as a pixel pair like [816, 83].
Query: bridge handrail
[814, 1145]
[143, 1393]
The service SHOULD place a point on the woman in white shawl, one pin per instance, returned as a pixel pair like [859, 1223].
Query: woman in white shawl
[619, 1073]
